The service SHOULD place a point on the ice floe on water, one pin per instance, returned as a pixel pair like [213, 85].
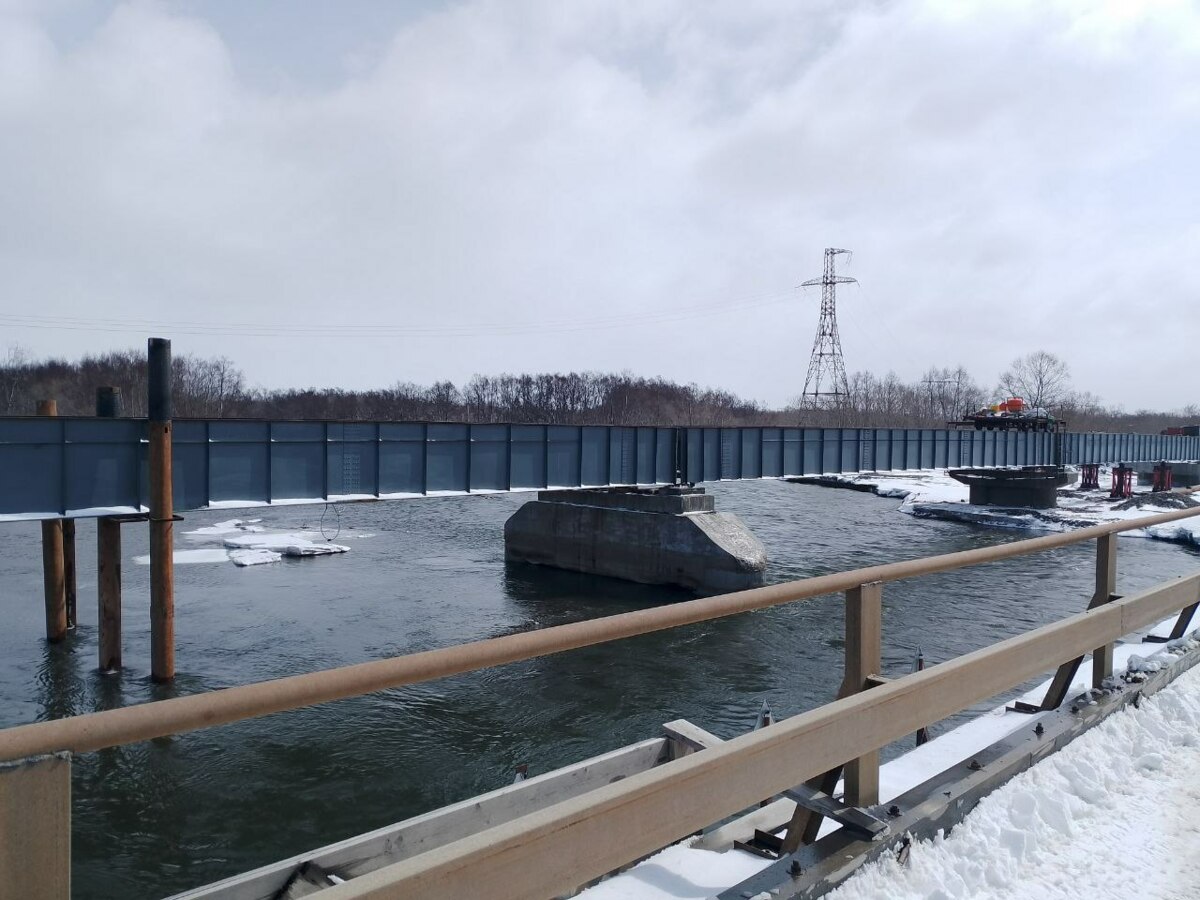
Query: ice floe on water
[933, 494]
[233, 526]
[251, 557]
[189, 557]
[247, 542]
[288, 543]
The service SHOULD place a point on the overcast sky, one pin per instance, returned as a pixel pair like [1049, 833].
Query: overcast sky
[359, 193]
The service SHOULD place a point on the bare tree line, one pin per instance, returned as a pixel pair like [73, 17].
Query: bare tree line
[216, 388]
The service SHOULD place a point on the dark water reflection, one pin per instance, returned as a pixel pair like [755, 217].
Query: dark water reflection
[158, 817]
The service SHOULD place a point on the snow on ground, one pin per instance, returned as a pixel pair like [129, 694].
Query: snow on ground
[246, 542]
[1112, 815]
[1109, 770]
[931, 493]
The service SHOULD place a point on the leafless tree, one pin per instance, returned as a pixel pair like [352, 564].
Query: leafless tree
[205, 388]
[1040, 378]
[13, 375]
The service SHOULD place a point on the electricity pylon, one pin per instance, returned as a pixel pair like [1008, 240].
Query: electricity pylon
[826, 383]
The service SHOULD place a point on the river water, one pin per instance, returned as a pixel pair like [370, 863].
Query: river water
[154, 818]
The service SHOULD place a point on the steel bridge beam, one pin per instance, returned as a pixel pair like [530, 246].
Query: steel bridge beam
[87, 467]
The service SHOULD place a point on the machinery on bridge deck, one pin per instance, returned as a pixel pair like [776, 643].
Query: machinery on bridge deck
[1013, 414]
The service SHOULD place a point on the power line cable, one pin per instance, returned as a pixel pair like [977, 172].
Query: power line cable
[269, 329]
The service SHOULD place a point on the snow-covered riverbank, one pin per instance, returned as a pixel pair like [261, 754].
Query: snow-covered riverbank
[931, 493]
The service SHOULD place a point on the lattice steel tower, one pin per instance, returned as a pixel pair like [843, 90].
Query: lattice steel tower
[826, 383]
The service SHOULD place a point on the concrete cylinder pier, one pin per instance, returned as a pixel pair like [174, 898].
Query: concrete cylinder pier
[1030, 487]
[670, 535]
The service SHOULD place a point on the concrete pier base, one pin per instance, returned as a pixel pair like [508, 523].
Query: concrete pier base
[670, 535]
[1031, 487]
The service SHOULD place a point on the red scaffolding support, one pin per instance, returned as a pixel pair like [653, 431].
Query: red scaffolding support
[1122, 482]
[1162, 476]
[1089, 477]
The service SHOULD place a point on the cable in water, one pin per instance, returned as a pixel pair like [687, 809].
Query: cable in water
[338, 513]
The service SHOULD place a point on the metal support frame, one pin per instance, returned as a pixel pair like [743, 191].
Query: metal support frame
[1089, 477]
[806, 820]
[1178, 630]
[1122, 482]
[822, 806]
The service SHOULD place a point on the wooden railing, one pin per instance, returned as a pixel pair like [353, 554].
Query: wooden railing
[555, 850]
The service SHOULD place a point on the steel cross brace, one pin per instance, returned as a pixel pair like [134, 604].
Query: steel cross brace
[1179, 630]
[1057, 692]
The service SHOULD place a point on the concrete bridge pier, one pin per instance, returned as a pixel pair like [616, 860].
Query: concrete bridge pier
[1029, 487]
[669, 535]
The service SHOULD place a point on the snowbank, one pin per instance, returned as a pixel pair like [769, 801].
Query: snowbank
[932, 494]
[1111, 815]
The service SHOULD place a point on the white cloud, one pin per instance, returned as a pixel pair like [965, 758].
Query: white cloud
[1011, 176]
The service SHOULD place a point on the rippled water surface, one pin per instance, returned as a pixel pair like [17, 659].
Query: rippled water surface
[158, 817]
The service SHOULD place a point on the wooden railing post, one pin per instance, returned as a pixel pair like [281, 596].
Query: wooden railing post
[35, 828]
[864, 614]
[1106, 588]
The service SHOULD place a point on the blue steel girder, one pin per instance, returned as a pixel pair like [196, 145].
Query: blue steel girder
[84, 467]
